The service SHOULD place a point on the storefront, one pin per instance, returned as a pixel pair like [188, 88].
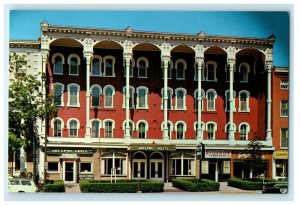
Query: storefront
[281, 163]
[216, 165]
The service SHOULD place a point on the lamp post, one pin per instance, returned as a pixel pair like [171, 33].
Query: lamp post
[45, 138]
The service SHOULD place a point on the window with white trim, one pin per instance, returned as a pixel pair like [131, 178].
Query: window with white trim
[58, 94]
[142, 127]
[196, 99]
[244, 130]
[96, 66]
[142, 97]
[73, 126]
[74, 62]
[109, 66]
[109, 126]
[95, 94]
[182, 164]
[131, 97]
[283, 138]
[109, 92]
[244, 70]
[53, 167]
[96, 128]
[57, 128]
[73, 95]
[142, 64]
[227, 102]
[169, 103]
[211, 128]
[180, 99]
[284, 84]
[131, 127]
[284, 110]
[58, 61]
[211, 71]
[180, 66]
[227, 128]
[180, 129]
[211, 96]
[85, 167]
[113, 162]
[244, 96]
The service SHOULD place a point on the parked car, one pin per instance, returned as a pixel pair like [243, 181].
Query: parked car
[280, 185]
[21, 185]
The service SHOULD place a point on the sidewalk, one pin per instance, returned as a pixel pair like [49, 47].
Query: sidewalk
[72, 188]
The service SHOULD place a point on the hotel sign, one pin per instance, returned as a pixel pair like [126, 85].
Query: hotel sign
[69, 151]
[152, 148]
[280, 155]
[217, 154]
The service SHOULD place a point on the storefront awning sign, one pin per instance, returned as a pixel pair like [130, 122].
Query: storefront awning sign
[217, 154]
[152, 148]
[280, 155]
[69, 151]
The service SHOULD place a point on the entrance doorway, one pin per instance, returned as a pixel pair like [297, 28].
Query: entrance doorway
[157, 166]
[139, 165]
[69, 172]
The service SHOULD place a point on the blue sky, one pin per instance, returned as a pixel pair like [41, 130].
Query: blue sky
[26, 24]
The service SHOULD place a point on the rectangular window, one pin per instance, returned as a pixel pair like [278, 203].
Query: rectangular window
[73, 96]
[284, 108]
[142, 100]
[284, 138]
[86, 167]
[53, 166]
[114, 165]
[210, 72]
[284, 84]
[108, 129]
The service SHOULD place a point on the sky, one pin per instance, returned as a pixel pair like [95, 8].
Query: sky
[25, 24]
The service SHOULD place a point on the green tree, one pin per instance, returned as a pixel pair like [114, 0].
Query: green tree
[26, 105]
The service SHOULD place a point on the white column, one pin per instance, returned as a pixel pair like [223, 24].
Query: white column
[127, 58]
[269, 101]
[88, 56]
[231, 63]
[200, 61]
[165, 60]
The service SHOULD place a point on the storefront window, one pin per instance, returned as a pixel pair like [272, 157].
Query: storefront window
[182, 165]
[86, 167]
[53, 167]
[113, 163]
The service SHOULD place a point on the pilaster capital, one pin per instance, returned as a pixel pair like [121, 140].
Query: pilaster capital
[268, 56]
[88, 56]
[45, 42]
[88, 45]
[199, 51]
[231, 52]
[165, 50]
[127, 46]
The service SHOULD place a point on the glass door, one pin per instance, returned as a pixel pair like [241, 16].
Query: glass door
[157, 169]
[69, 171]
[139, 168]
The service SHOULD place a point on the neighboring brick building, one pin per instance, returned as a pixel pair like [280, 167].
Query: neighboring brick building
[280, 122]
[152, 131]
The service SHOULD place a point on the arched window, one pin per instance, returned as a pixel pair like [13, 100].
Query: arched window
[244, 70]
[73, 95]
[109, 66]
[96, 128]
[143, 64]
[180, 99]
[58, 94]
[142, 127]
[180, 66]
[196, 99]
[170, 93]
[57, 125]
[96, 66]
[227, 102]
[211, 128]
[96, 92]
[180, 128]
[244, 96]
[109, 126]
[182, 164]
[244, 129]
[74, 62]
[211, 96]
[211, 71]
[58, 61]
[131, 127]
[109, 92]
[142, 97]
[73, 126]
[131, 97]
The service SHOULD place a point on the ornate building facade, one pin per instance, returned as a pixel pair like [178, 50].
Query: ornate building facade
[136, 104]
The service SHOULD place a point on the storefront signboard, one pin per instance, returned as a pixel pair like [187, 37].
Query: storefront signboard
[204, 167]
[280, 155]
[217, 154]
[69, 151]
[226, 167]
[86, 176]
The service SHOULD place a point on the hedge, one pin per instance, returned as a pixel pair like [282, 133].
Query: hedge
[54, 186]
[121, 186]
[247, 184]
[196, 185]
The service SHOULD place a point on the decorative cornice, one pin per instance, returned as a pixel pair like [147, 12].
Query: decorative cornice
[25, 44]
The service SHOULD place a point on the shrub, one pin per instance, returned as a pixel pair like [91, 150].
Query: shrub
[247, 184]
[194, 185]
[121, 186]
[54, 186]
